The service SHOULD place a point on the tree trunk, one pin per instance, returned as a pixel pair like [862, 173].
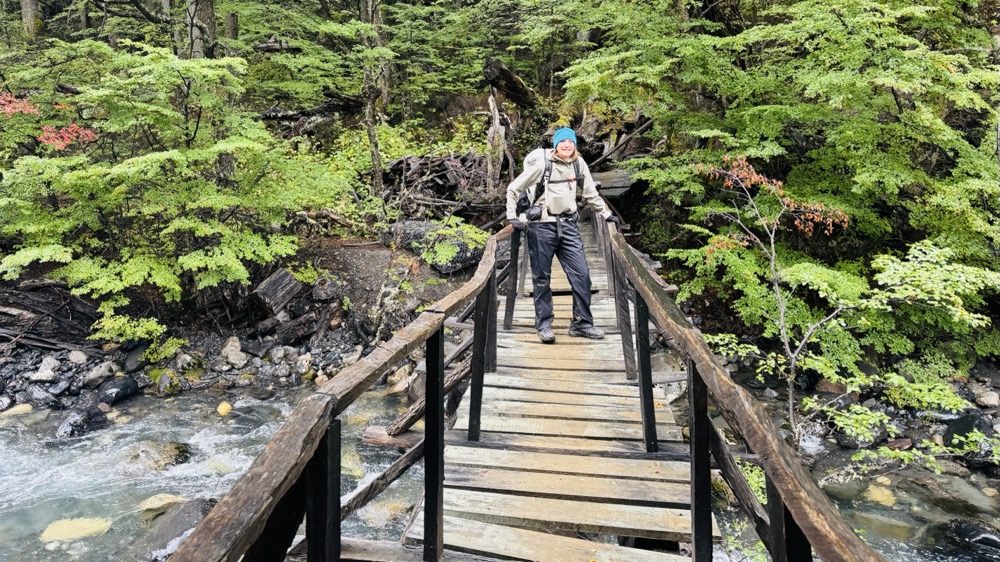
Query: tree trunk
[373, 88]
[30, 17]
[201, 28]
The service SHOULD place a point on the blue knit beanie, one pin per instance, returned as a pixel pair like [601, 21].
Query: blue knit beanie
[563, 134]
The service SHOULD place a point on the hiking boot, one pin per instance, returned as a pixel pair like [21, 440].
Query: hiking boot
[591, 332]
[546, 335]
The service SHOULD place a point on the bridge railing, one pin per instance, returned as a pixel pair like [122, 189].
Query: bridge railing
[798, 517]
[298, 472]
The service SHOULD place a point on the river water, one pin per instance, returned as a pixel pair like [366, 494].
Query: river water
[43, 479]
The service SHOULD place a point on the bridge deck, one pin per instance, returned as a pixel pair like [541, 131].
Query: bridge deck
[561, 453]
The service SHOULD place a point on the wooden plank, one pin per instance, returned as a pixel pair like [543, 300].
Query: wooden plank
[584, 363]
[578, 377]
[495, 379]
[597, 489]
[485, 539]
[568, 428]
[570, 515]
[668, 450]
[597, 350]
[587, 412]
[637, 469]
[548, 397]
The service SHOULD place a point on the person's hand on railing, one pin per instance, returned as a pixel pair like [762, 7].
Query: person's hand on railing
[614, 220]
[518, 225]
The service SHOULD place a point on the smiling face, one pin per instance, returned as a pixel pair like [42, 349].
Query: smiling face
[565, 149]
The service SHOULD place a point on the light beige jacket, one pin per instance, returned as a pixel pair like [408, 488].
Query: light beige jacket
[560, 195]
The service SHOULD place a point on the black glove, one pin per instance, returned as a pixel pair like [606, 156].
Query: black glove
[614, 220]
[518, 225]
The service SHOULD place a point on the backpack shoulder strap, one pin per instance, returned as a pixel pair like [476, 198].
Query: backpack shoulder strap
[542, 183]
[576, 172]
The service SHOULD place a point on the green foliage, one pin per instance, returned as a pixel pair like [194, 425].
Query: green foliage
[755, 479]
[444, 244]
[177, 193]
[922, 396]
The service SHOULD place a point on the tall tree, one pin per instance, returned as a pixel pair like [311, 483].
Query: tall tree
[30, 17]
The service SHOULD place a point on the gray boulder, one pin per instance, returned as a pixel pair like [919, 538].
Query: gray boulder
[117, 389]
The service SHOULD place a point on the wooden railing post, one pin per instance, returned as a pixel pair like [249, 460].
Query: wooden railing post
[605, 240]
[323, 498]
[624, 317]
[515, 246]
[701, 475]
[485, 302]
[491, 326]
[645, 375]
[434, 448]
[788, 542]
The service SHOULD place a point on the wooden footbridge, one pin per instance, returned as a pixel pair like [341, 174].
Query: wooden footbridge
[557, 452]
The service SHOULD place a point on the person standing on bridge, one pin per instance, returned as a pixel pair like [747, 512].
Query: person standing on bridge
[550, 226]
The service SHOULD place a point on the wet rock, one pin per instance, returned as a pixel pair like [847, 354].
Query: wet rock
[77, 357]
[155, 506]
[880, 495]
[157, 455]
[844, 491]
[72, 529]
[59, 387]
[42, 398]
[881, 525]
[162, 539]
[100, 373]
[134, 360]
[5, 403]
[17, 410]
[968, 537]
[232, 352]
[79, 422]
[950, 493]
[117, 389]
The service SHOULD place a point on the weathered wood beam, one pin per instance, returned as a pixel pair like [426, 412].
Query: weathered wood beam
[509, 84]
[812, 510]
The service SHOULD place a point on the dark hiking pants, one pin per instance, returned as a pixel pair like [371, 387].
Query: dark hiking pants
[548, 239]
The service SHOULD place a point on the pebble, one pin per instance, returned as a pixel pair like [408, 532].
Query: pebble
[990, 492]
[224, 408]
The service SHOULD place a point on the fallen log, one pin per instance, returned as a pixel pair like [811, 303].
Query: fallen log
[274, 292]
[509, 84]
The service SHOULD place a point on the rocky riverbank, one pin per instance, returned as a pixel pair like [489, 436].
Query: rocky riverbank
[373, 291]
